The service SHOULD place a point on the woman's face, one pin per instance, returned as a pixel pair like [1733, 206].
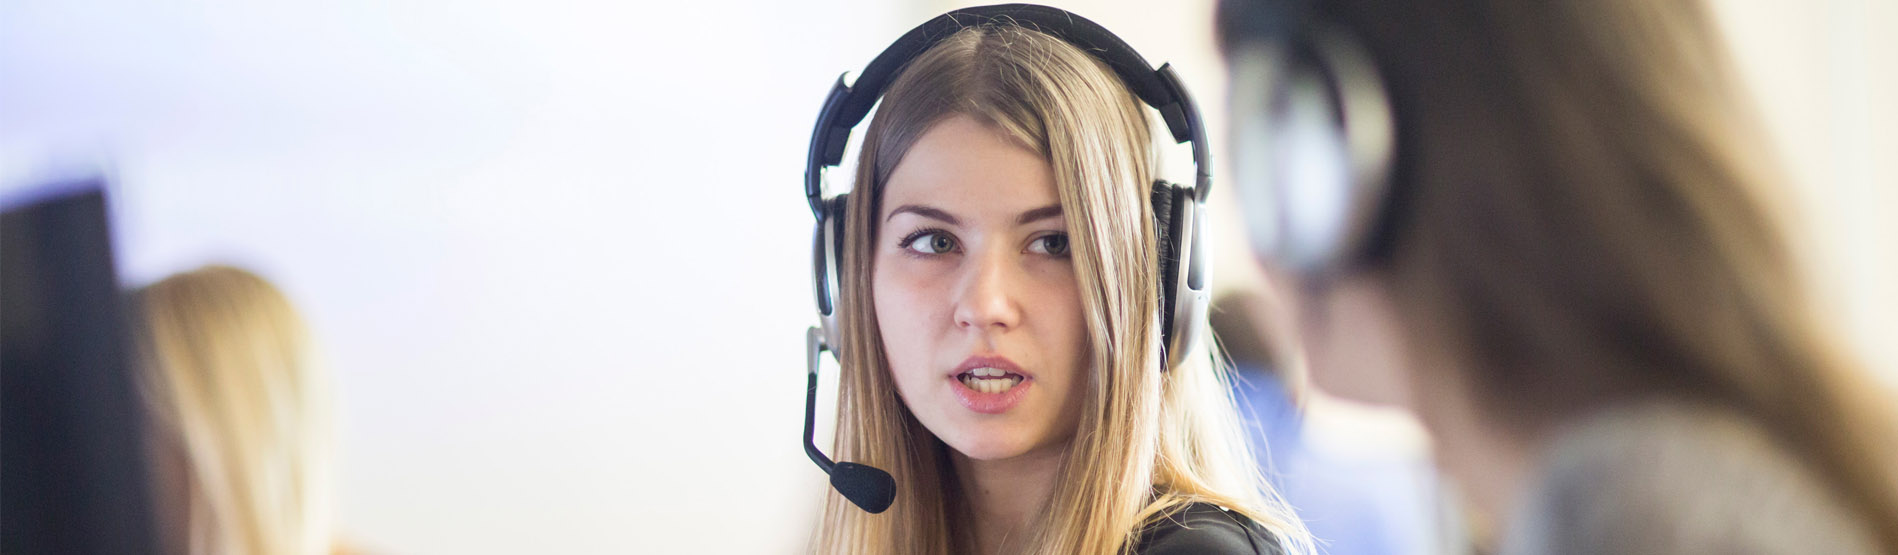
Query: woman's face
[975, 293]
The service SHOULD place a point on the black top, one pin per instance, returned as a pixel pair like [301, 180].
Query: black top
[1206, 528]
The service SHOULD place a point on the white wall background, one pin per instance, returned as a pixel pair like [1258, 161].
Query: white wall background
[557, 252]
[1826, 76]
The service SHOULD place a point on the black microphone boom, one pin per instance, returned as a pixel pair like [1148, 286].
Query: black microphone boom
[869, 487]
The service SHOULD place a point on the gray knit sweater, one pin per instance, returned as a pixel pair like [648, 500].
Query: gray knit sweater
[1664, 478]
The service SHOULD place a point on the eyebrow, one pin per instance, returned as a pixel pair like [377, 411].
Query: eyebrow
[1038, 214]
[1029, 217]
[925, 211]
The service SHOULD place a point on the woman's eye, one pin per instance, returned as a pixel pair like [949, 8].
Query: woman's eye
[929, 242]
[1056, 244]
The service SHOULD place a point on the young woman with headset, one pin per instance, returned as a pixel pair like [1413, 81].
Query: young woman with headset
[1541, 227]
[1014, 301]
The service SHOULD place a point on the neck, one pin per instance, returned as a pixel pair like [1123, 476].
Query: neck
[1490, 463]
[1004, 497]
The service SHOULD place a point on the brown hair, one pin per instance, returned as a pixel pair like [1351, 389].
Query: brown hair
[1583, 220]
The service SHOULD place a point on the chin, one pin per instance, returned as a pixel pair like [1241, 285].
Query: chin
[988, 449]
[992, 442]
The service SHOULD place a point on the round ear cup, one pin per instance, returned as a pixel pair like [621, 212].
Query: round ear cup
[1182, 292]
[1315, 129]
[828, 248]
[1313, 166]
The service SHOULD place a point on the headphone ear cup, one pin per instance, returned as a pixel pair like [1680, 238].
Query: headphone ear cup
[1191, 294]
[1316, 128]
[828, 263]
[1314, 168]
[1168, 200]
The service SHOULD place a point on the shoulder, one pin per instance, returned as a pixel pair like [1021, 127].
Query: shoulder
[1206, 528]
[1676, 478]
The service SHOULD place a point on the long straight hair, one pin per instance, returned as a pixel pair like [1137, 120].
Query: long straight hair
[1146, 443]
[227, 374]
[1584, 222]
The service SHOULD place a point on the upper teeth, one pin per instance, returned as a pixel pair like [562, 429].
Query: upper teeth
[987, 373]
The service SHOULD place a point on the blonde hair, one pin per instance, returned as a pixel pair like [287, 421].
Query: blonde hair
[227, 375]
[1148, 443]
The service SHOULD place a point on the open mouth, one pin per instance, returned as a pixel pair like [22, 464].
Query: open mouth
[989, 380]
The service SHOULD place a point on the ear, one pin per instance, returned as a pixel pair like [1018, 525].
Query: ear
[1355, 343]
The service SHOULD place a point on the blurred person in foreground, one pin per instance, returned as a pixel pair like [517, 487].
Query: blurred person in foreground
[1567, 267]
[241, 436]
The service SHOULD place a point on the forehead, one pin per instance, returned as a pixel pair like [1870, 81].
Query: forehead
[965, 166]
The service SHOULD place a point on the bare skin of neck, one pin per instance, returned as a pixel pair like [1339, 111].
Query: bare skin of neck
[1395, 365]
[1490, 463]
[1005, 497]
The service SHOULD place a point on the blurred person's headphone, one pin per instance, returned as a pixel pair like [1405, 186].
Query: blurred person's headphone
[1313, 137]
[1178, 211]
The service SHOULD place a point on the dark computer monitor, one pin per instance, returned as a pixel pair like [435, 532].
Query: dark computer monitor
[72, 462]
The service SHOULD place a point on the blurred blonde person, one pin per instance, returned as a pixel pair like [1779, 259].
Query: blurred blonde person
[241, 418]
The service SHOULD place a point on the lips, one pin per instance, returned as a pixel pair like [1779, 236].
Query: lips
[989, 384]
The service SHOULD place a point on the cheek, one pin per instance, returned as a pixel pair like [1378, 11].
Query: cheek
[1073, 323]
[1055, 302]
[910, 309]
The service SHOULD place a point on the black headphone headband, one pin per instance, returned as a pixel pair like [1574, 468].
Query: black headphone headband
[848, 105]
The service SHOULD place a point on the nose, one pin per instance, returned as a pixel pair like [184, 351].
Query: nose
[988, 295]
